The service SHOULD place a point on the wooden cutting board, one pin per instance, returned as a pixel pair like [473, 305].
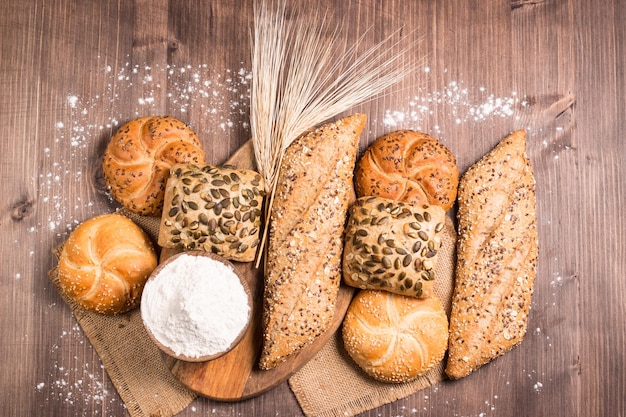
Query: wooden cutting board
[236, 375]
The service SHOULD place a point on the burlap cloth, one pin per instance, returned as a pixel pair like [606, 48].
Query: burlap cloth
[328, 385]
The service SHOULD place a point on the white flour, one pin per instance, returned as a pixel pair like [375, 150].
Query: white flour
[196, 306]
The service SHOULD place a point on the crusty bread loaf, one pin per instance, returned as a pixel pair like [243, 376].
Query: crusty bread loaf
[408, 166]
[217, 209]
[392, 246]
[105, 264]
[303, 268]
[138, 158]
[496, 257]
[395, 338]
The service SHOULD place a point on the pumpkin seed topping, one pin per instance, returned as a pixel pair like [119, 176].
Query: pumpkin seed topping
[392, 245]
[213, 208]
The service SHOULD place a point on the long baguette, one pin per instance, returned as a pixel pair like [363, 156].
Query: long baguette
[303, 267]
[497, 257]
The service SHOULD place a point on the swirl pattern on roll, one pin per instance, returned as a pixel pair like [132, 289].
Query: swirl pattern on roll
[408, 166]
[105, 264]
[139, 156]
[395, 338]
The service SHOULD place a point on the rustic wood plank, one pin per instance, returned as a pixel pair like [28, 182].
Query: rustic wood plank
[71, 72]
[38, 163]
[550, 121]
[600, 197]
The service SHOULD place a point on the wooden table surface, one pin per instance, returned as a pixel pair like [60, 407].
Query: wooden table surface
[72, 71]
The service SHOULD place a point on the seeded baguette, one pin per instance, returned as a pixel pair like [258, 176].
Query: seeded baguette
[496, 257]
[216, 209]
[392, 246]
[303, 267]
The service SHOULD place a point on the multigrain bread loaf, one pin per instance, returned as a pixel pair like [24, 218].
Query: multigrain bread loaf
[395, 338]
[496, 257]
[216, 209]
[303, 267]
[392, 246]
[138, 159]
[105, 263]
[408, 166]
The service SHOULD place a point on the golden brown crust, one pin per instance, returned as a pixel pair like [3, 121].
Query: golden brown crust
[139, 156]
[392, 246]
[303, 270]
[408, 166]
[105, 264]
[395, 338]
[497, 256]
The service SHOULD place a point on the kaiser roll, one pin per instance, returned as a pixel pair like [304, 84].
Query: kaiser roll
[395, 338]
[408, 166]
[139, 156]
[105, 264]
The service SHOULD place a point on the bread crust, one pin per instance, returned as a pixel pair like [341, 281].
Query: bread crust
[497, 254]
[303, 268]
[395, 338]
[105, 263]
[392, 246]
[139, 156]
[213, 208]
[408, 166]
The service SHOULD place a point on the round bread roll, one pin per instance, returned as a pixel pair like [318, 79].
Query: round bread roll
[139, 156]
[105, 264]
[408, 166]
[395, 338]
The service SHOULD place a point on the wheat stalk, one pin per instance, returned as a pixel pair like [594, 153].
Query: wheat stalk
[298, 82]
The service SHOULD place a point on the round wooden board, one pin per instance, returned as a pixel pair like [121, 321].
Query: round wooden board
[236, 375]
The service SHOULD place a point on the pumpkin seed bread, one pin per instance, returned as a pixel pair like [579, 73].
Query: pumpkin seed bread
[216, 209]
[392, 246]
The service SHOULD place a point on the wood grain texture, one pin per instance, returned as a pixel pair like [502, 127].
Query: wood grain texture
[72, 71]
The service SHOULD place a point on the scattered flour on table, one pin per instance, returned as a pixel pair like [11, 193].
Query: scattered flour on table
[222, 96]
[76, 384]
[223, 99]
[454, 102]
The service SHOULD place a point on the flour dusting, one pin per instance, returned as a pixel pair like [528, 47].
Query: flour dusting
[222, 97]
[455, 102]
[74, 384]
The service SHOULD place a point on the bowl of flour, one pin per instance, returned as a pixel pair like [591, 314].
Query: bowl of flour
[195, 307]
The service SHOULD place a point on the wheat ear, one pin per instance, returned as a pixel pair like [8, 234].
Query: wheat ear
[298, 82]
